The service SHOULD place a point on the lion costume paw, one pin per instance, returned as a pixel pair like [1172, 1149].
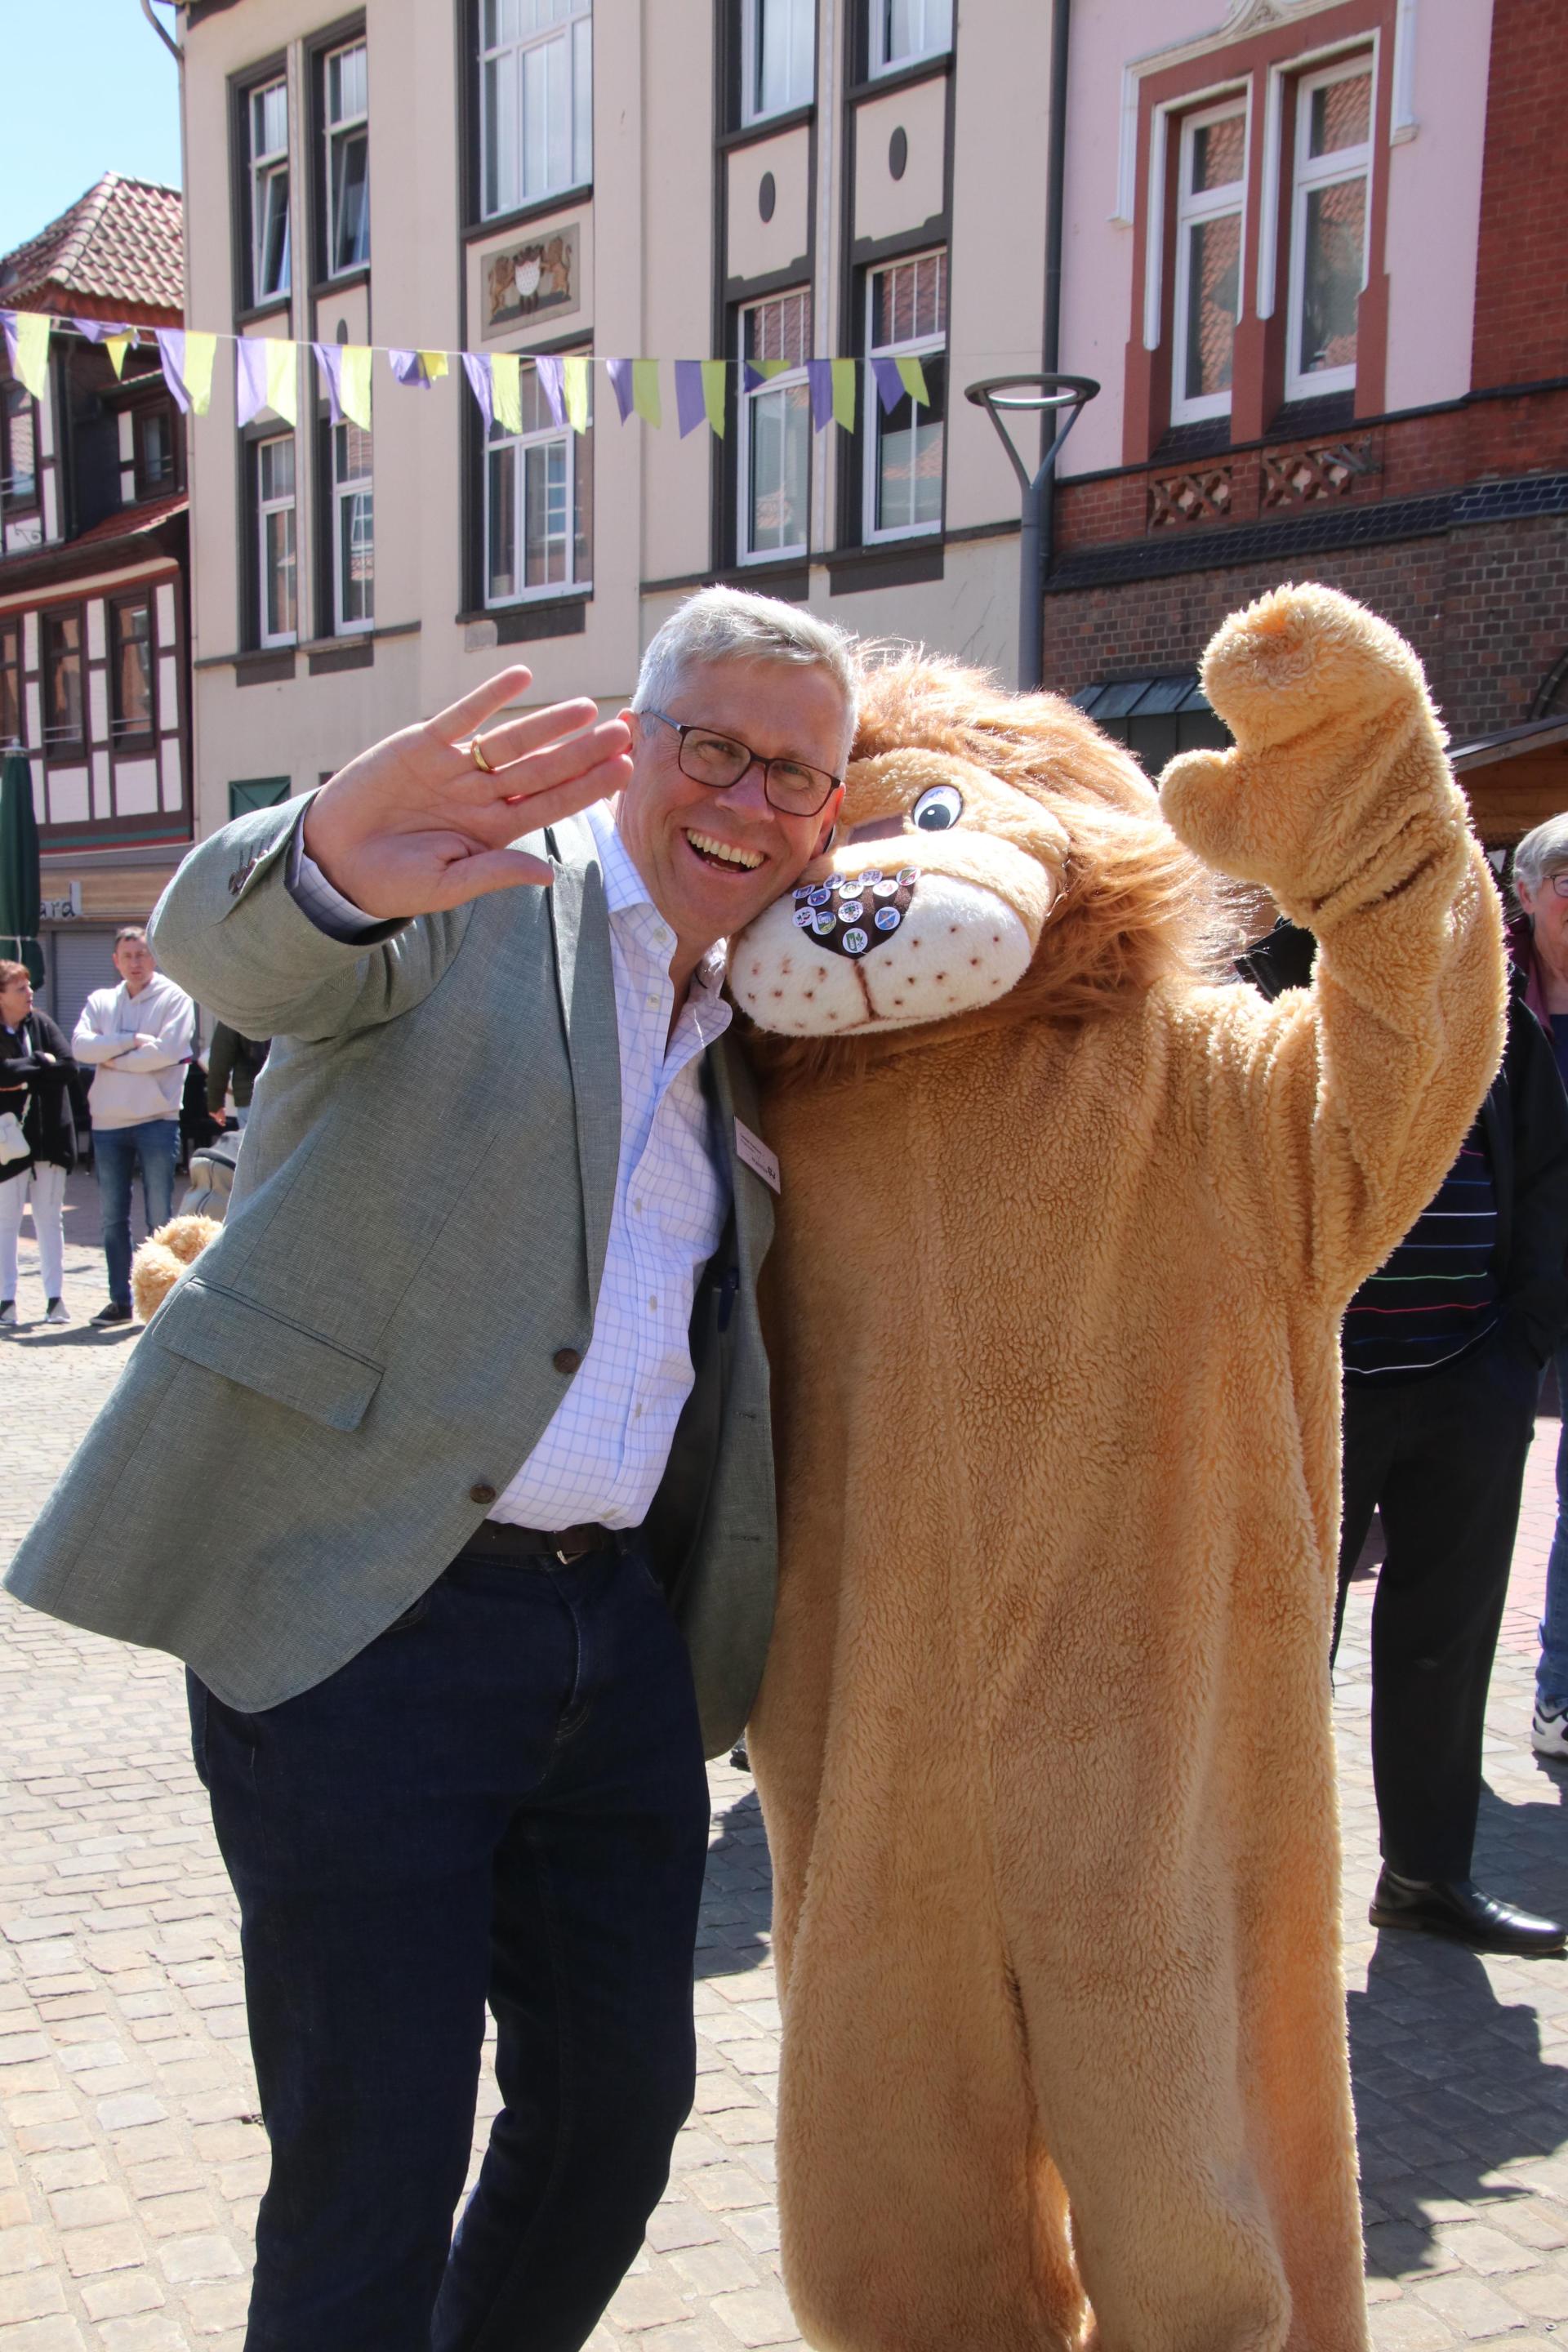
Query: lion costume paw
[163, 1257]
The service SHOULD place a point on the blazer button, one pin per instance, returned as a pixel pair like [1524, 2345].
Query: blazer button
[566, 1359]
[481, 1494]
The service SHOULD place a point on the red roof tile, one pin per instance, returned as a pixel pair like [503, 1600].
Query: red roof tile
[118, 253]
[130, 523]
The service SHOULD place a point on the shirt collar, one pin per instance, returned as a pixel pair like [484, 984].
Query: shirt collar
[626, 889]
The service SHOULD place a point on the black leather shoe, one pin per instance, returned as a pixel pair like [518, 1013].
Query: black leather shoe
[1457, 1908]
[114, 1313]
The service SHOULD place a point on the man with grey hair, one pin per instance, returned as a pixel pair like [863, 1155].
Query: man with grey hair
[475, 1359]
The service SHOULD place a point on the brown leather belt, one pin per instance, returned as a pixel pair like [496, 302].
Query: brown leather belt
[496, 1541]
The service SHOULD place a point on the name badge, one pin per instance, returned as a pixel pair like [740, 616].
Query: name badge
[756, 1155]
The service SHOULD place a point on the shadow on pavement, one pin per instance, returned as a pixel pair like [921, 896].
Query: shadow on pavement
[737, 1895]
[76, 1335]
[1449, 2079]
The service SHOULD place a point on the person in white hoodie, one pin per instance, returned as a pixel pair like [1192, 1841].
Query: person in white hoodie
[138, 1037]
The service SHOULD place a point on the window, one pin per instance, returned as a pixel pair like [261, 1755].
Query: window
[10, 683]
[153, 439]
[538, 505]
[536, 100]
[353, 532]
[268, 191]
[347, 159]
[248, 792]
[1211, 191]
[906, 319]
[778, 61]
[1328, 228]
[904, 31]
[18, 449]
[773, 446]
[131, 669]
[278, 606]
[63, 707]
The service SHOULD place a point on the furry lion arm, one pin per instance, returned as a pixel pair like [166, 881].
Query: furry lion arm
[231, 931]
[1349, 1098]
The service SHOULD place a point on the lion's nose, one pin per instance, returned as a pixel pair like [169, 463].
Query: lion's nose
[852, 913]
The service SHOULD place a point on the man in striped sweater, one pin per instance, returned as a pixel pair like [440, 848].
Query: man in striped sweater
[1443, 1352]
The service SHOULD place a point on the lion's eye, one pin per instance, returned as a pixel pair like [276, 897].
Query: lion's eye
[937, 809]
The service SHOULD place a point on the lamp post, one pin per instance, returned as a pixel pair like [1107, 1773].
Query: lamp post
[1034, 396]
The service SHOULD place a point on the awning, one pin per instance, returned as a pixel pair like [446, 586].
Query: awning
[1515, 779]
[1142, 698]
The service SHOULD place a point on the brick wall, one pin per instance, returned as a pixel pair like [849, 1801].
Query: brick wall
[1521, 289]
[1485, 606]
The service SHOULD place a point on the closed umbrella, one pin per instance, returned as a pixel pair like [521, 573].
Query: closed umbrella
[20, 892]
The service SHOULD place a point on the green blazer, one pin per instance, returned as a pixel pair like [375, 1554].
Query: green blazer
[378, 1339]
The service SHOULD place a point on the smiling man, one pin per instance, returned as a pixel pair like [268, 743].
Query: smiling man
[476, 1360]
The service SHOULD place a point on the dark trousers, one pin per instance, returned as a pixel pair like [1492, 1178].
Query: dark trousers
[502, 1800]
[1443, 1458]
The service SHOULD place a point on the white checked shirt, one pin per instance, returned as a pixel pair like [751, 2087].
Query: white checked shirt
[605, 1451]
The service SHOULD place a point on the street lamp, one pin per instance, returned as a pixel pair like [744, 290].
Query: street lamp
[1033, 396]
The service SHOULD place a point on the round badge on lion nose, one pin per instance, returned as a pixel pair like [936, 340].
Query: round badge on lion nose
[880, 890]
[818, 898]
[850, 910]
[856, 942]
[822, 923]
[908, 874]
[803, 918]
[888, 919]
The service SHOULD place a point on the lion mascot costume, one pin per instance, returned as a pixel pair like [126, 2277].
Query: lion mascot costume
[1065, 1232]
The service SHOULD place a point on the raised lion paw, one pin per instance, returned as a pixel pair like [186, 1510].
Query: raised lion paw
[1303, 655]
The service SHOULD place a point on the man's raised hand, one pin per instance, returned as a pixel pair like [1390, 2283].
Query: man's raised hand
[414, 825]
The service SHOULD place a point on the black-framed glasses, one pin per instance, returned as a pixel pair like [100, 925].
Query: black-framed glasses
[791, 786]
[1559, 882]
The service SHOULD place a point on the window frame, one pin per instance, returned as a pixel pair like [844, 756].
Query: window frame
[246, 793]
[341, 490]
[58, 748]
[261, 170]
[579, 452]
[878, 61]
[787, 380]
[1308, 172]
[260, 507]
[333, 133]
[12, 506]
[123, 738]
[1212, 203]
[146, 485]
[11, 665]
[752, 109]
[913, 347]
[579, 109]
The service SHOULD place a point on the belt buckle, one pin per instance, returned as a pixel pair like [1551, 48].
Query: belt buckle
[567, 1558]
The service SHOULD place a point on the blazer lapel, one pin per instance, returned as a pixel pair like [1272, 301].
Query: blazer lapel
[734, 1095]
[580, 926]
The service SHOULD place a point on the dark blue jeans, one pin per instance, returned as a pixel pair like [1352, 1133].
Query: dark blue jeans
[116, 1151]
[502, 1800]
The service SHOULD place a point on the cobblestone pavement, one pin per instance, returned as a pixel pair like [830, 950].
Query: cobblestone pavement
[130, 2157]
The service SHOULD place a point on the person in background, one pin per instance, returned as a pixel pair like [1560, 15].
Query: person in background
[233, 1062]
[36, 1076]
[1444, 1347]
[1541, 951]
[137, 1037]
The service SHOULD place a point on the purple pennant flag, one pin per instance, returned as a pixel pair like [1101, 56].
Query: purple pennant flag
[890, 383]
[552, 384]
[408, 368]
[476, 368]
[329, 359]
[97, 331]
[171, 352]
[620, 374]
[249, 378]
[819, 375]
[691, 409]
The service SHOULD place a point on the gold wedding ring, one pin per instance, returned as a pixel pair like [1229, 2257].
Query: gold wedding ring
[477, 754]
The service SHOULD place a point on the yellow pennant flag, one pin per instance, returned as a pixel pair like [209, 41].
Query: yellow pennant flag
[645, 402]
[715, 372]
[117, 346]
[353, 384]
[574, 391]
[912, 376]
[772, 367]
[32, 346]
[283, 378]
[434, 364]
[506, 381]
[197, 372]
[844, 372]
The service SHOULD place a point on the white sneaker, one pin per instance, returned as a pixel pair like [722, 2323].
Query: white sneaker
[1549, 1735]
[56, 1311]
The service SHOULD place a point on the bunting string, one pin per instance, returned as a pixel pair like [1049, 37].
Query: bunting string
[268, 377]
